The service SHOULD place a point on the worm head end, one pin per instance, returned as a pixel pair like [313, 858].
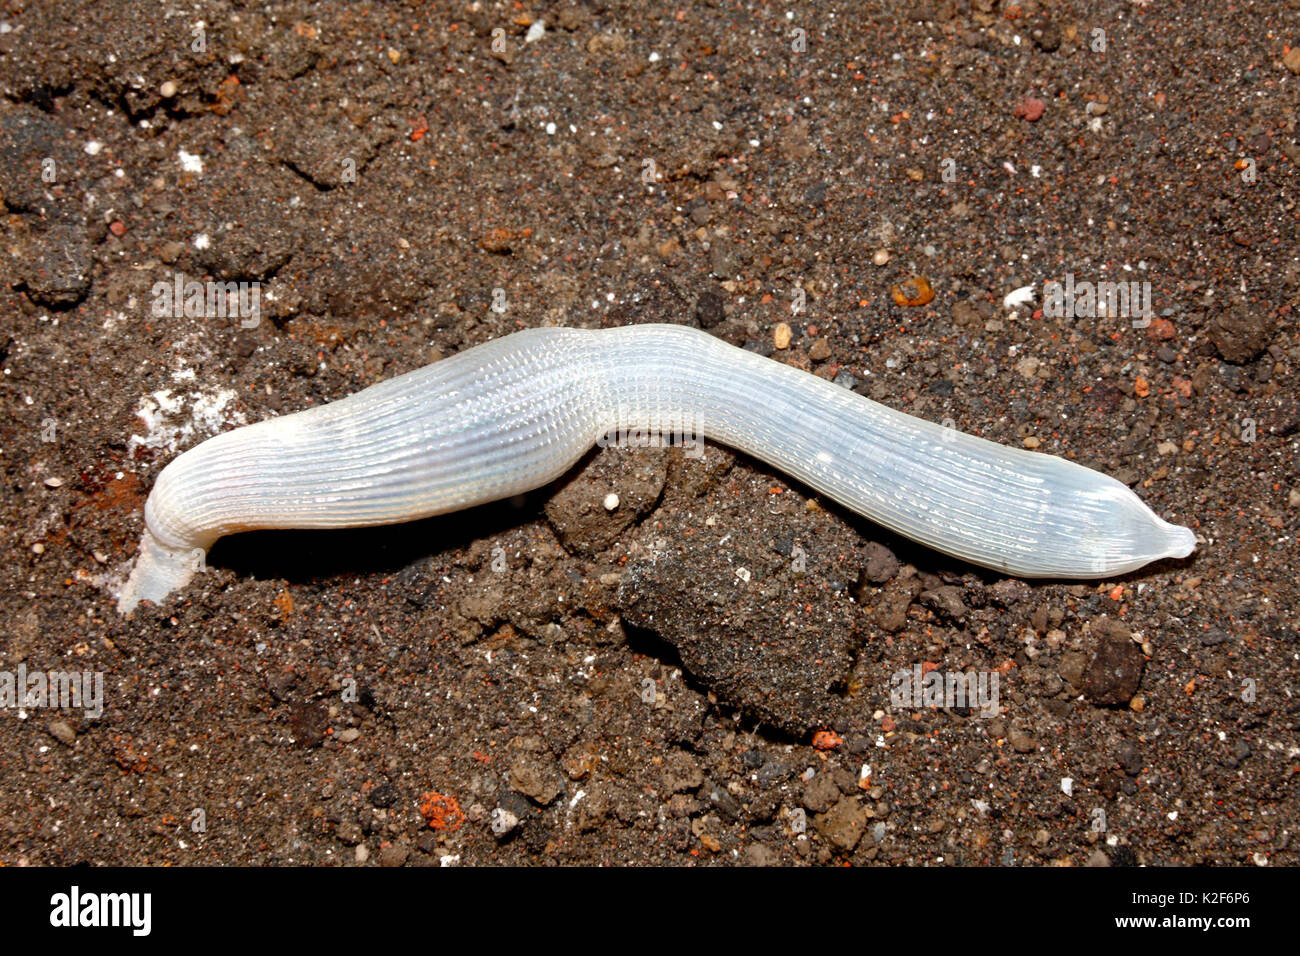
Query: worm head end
[1136, 535]
[1179, 541]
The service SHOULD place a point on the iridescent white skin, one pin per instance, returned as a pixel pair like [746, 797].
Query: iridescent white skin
[513, 414]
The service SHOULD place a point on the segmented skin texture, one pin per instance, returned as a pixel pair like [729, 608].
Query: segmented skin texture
[515, 413]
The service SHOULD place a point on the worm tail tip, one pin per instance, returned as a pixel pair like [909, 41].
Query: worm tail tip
[159, 570]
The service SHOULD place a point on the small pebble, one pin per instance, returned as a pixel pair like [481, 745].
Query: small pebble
[611, 502]
[915, 291]
[881, 257]
[497, 240]
[53, 482]
[1162, 329]
[62, 731]
[1031, 109]
[709, 309]
[1032, 442]
[1021, 741]
[169, 252]
[781, 335]
[38, 548]
[502, 822]
[394, 854]
[167, 90]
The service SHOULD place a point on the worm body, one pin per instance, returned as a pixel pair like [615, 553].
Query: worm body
[515, 413]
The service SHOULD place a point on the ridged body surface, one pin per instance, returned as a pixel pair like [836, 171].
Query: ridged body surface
[515, 413]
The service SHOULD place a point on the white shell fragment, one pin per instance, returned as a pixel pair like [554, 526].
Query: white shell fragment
[1018, 297]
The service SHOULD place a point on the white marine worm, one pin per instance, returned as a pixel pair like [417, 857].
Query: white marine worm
[515, 413]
